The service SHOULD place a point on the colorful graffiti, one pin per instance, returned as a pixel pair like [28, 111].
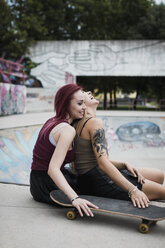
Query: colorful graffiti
[16, 148]
[127, 137]
[12, 99]
[134, 133]
[12, 71]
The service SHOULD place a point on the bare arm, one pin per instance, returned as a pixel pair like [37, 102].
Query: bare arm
[65, 139]
[118, 165]
[97, 134]
[134, 171]
[66, 136]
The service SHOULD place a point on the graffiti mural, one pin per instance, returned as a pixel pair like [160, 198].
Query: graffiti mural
[16, 148]
[12, 99]
[135, 134]
[127, 137]
[92, 58]
[136, 131]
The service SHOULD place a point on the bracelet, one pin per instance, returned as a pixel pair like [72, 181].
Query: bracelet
[74, 199]
[131, 191]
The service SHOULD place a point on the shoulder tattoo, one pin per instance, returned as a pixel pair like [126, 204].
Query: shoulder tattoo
[99, 142]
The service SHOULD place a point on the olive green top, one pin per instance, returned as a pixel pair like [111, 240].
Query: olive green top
[85, 158]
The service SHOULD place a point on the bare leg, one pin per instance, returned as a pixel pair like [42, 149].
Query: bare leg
[153, 190]
[152, 174]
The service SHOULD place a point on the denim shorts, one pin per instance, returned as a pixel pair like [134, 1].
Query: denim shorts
[96, 182]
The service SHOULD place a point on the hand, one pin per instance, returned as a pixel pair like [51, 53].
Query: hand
[135, 173]
[139, 199]
[82, 204]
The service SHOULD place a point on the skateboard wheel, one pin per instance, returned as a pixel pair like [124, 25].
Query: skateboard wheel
[143, 228]
[71, 215]
[154, 222]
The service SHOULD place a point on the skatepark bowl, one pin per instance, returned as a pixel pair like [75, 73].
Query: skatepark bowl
[138, 140]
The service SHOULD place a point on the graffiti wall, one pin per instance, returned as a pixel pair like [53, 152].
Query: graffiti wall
[16, 146]
[12, 99]
[135, 137]
[92, 58]
[129, 138]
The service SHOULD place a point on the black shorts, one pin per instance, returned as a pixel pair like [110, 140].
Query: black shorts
[41, 184]
[96, 182]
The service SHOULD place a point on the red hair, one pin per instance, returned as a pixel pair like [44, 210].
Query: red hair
[63, 98]
[62, 101]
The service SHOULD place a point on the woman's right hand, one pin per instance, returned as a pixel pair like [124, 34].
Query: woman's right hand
[82, 204]
[139, 199]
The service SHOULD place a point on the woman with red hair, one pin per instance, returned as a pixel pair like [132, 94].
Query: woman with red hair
[54, 149]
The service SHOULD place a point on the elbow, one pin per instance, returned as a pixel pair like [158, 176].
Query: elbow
[104, 164]
[50, 171]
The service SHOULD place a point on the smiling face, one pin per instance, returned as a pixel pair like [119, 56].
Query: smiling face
[77, 105]
[90, 100]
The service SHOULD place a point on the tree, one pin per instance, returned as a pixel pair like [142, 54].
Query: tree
[156, 88]
[26, 21]
[139, 85]
[152, 26]
[21, 26]
[53, 18]
[6, 29]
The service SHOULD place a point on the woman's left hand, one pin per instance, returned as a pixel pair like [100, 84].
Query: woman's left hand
[135, 173]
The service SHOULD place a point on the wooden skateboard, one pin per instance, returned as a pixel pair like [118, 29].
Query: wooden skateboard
[150, 215]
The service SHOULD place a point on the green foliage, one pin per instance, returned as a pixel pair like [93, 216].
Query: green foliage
[152, 26]
[22, 26]
[6, 29]
[22, 22]
[144, 87]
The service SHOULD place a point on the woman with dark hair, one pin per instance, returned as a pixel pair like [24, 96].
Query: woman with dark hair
[100, 176]
[54, 148]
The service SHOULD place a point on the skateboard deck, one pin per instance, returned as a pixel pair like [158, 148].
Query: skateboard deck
[149, 215]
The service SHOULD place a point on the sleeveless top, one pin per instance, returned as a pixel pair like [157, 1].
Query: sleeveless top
[85, 158]
[45, 146]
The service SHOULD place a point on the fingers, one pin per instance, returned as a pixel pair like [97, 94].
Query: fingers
[141, 179]
[134, 172]
[86, 210]
[83, 205]
[91, 205]
[140, 203]
[140, 200]
[79, 210]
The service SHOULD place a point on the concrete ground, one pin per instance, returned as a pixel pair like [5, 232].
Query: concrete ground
[26, 223]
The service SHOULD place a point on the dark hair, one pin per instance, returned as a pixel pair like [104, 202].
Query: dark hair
[61, 105]
[63, 98]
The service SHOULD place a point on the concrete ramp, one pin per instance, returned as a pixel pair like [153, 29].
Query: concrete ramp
[137, 140]
[16, 146]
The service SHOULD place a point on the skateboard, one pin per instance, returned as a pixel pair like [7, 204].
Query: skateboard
[150, 215]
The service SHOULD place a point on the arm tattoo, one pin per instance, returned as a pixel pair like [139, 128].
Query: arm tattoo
[100, 142]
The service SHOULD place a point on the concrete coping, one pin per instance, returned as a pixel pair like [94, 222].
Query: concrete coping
[32, 119]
